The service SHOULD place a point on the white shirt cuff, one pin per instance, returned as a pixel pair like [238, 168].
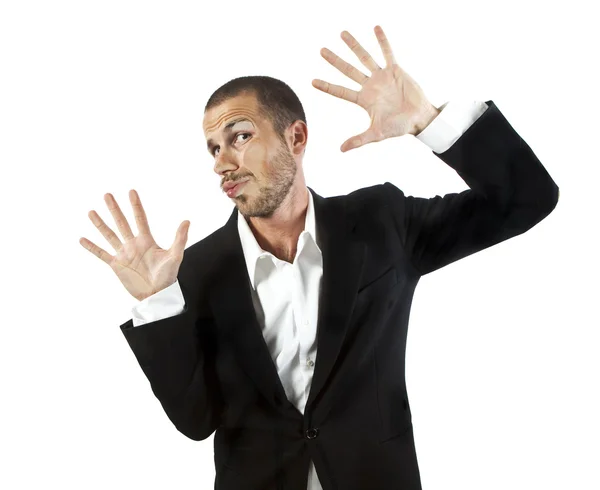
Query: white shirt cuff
[454, 119]
[166, 303]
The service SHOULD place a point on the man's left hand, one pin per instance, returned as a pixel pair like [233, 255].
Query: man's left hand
[395, 103]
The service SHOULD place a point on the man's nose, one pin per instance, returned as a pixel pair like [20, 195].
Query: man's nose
[224, 161]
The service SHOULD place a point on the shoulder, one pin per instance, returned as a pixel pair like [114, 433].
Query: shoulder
[373, 199]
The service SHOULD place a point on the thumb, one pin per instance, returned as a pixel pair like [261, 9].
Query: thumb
[359, 140]
[181, 237]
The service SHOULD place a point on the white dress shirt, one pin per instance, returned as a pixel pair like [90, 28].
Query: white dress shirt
[285, 296]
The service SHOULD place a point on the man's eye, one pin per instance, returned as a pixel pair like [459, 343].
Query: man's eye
[236, 136]
[242, 134]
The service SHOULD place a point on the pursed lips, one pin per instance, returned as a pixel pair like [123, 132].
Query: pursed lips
[231, 184]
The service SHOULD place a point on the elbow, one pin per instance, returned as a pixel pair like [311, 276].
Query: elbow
[542, 198]
[197, 428]
[556, 193]
[548, 201]
[197, 432]
[195, 421]
[521, 216]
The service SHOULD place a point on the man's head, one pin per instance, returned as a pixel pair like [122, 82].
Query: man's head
[266, 148]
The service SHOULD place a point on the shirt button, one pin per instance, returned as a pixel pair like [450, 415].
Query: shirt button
[305, 322]
[310, 363]
[312, 433]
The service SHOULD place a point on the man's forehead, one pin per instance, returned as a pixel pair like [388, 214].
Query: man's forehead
[236, 124]
[232, 123]
[231, 110]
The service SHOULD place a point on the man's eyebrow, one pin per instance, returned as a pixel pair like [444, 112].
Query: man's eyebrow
[210, 143]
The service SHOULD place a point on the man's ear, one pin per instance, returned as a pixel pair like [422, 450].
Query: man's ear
[299, 137]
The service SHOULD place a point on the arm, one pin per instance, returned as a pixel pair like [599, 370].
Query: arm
[510, 191]
[174, 354]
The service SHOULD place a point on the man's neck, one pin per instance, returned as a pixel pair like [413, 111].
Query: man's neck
[279, 234]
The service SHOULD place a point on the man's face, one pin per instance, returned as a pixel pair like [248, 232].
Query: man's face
[249, 149]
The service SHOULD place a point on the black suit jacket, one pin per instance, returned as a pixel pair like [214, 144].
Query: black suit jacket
[211, 369]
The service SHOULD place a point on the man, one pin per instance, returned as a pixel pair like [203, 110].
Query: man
[284, 331]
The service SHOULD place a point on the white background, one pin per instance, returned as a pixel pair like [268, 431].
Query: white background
[96, 97]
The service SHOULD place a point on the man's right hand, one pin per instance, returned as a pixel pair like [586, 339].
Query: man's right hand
[140, 264]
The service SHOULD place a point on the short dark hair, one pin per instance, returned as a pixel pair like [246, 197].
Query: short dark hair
[276, 100]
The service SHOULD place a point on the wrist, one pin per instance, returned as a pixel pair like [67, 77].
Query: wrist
[424, 119]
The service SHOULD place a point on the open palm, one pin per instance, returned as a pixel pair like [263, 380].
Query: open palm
[140, 264]
[393, 100]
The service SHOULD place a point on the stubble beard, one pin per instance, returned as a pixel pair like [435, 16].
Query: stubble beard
[281, 172]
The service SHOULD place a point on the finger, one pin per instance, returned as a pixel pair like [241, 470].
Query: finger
[336, 90]
[364, 57]
[96, 250]
[107, 233]
[115, 210]
[359, 140]
[181, 237]
[385, 46]
[346, 68]
[138, 211]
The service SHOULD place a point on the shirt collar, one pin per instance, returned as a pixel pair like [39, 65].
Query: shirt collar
[253, 251]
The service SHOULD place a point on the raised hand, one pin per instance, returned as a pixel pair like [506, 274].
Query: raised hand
[394, 101]
[140, 264]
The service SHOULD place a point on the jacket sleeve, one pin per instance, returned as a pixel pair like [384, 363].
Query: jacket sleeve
[175, 355]
[509, 192]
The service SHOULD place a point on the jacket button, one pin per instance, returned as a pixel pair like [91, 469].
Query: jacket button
[312, 433]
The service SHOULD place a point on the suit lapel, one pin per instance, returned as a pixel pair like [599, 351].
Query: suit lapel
[231, 298]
